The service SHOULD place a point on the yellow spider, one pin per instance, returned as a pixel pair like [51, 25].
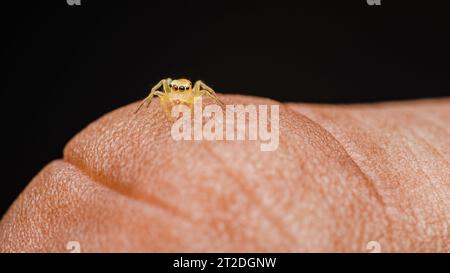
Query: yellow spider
[179, 91]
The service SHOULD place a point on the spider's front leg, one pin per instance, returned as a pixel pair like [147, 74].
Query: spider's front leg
[200, 89]
[155, 92]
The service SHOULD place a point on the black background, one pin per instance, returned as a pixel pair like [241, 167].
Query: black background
[65, 66]
[286, 262]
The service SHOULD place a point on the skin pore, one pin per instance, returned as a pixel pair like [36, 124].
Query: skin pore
[342, 176]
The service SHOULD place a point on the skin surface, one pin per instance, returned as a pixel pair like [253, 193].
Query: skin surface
[341, 177]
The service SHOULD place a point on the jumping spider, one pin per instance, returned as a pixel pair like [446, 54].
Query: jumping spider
[179, 91]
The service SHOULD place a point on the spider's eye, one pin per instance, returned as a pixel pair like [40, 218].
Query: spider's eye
[182, 88]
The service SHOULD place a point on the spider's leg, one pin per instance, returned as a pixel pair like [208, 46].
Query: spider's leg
[204, 92]
[155, 88]
[166, 85]
[200, 88]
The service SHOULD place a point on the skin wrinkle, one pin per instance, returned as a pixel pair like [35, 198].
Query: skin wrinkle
[367, 180]
[329, 139]
[413, 215]
[343, 139]
[340, 142]
[305, 125]
[320, 190]
[380, 150]
[314, 186]
[150, 200]
[371, 185]
[113, 185]
[302, 165]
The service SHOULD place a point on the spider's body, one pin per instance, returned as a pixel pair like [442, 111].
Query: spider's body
[179, 91]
